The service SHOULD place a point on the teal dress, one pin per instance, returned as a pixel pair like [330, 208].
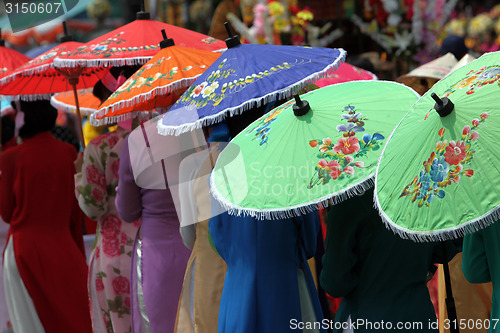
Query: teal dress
[268, 286]
[380, 276]
[481, 264]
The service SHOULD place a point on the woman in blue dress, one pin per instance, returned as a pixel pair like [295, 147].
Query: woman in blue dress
[268, 286]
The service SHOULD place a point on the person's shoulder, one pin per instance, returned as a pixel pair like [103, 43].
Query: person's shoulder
[66, 147]
[108, 140]
[12, 152]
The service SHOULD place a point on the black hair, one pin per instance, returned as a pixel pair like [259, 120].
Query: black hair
[454, 44]
[39, 116]
[361, 62]
[8, 129]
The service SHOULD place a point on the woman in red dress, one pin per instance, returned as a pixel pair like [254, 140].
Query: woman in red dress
[45, 248]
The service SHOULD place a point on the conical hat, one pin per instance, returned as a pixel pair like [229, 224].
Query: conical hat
[464, 61]
[435, 69]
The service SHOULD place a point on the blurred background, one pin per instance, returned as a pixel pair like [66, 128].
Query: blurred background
[395, 36]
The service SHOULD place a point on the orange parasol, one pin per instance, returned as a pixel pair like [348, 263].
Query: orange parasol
[157, 84]
[65, 101]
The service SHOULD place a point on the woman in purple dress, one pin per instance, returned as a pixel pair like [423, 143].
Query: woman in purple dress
[159, 257]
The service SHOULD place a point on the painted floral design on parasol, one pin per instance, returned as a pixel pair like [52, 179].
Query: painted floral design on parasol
[110, 46]
[157, 84]
[210, 91]
[263, 127]
[337, 160]
[134, 44]
[476, 79]
[445, 165]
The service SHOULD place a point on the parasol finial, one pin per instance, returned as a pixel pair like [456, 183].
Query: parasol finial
[166, 42]
[300, 107]
[233, 40]
[2, 41]
[67, 37]
[143, 14]
[443, 105]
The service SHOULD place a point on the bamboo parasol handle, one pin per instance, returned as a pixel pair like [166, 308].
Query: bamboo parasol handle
[78, 114]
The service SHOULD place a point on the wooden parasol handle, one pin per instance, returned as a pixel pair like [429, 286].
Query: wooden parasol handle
[78, 114]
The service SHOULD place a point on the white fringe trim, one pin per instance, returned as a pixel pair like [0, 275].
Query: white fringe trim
[164, 90]
[115, 119]
[72, 63]
[27, 98]
[70, 108]
[292, 211]
[26, 72]
[271, 97]
[442, 234]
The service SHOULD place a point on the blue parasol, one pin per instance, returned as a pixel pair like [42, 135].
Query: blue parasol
[245, 76]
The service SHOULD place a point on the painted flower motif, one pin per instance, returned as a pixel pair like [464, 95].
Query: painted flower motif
[347, 146]
[439, 169]
[338, 160]
[441, 145]
[112, 140]
[468, 173]
[445, 166]
[328, 165]
[94, 177]
[121, 285]
[350, 129]
[101, 48]
[123, 87]
[123, 238]
[349, 170]
[111, 226]
[359, 164]
[115, 165]
[99, 285]
[98, 194]
[465, 131]
[48, 55]
[325, 146]
[335, 173]
[209, 89]
[173, 71]
[426, 181]
[197, 91]
[111, 247]
[455, 152]
[140, 81]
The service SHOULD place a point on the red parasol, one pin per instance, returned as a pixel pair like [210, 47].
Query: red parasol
[346, 73]
[38, 79]
[134, 44]
[10, 59]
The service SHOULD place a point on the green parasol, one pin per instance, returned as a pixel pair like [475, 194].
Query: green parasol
[285, 164]
[439, 175]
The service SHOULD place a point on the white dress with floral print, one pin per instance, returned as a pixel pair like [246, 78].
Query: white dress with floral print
[109, 269]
